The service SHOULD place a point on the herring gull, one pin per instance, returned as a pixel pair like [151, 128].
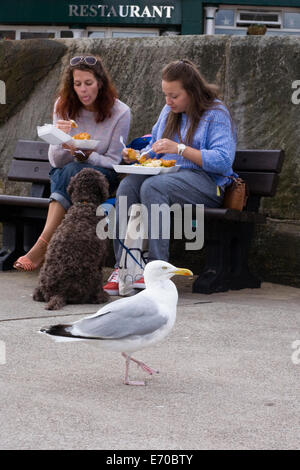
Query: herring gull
[132, 323]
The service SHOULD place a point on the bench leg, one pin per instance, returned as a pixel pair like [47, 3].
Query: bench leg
[12, 245]
[32, 233]
[215, 275]
[241, 277]
[17, 239]
[226, 248]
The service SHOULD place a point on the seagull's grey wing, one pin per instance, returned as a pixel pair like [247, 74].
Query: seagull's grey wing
[122, 318]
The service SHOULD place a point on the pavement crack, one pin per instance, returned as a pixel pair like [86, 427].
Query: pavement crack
[46, 316]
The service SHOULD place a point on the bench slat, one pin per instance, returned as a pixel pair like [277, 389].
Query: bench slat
[21, 201]
[261, 184]
[259, 160]
[219, 213]
[232, 215]
[247, 160]
[222, 213]
[36, 172]
[31, 150]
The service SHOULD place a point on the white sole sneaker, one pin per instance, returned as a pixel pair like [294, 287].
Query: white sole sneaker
[138, 286]
[111, 292]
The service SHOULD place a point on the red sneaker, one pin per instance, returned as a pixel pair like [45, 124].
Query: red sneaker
[140, 284]
[112, 285]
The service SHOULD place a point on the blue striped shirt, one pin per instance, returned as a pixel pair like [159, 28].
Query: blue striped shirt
[215, 136]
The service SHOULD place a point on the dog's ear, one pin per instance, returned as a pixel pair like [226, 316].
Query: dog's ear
[104, 187]
[70, 187]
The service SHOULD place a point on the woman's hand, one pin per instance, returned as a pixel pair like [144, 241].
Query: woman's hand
[69, 147]
[165, 146]
[82, 155]
[125, 156]
[64, 126]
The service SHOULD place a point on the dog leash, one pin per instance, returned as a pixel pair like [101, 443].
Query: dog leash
[130, 254]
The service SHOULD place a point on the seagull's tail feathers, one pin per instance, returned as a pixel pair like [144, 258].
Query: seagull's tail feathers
[60, 333]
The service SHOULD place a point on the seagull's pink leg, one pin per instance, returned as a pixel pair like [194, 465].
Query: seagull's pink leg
[144, 366]
[127, 381]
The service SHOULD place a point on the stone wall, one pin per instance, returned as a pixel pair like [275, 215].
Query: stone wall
[255, 75]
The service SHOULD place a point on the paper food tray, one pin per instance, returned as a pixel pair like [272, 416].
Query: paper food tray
[84, 144]
[145, 170]
[52, 135]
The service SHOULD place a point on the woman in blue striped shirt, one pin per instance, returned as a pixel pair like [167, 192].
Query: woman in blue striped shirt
[195, 129]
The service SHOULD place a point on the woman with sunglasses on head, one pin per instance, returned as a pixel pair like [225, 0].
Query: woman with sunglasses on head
[195, 129]
[88, 98]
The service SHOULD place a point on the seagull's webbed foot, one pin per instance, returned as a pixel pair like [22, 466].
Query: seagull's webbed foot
[133, 382]
[146, 368]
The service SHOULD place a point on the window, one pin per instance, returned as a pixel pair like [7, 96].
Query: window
[269, 18]
[96, 34]
[225, 18]
[241, 32]
[111, 32]
[291, 20]
[66, 34]
[231, 19]
[33, 35]
[7, 35]
[31, 32]
[124, 34]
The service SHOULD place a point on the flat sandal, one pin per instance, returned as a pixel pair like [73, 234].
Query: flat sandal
[25, 264]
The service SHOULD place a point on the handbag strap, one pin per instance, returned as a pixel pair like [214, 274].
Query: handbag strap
[130, 254]
[236, 178]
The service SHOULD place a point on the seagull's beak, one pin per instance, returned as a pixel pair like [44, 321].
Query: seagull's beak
[183, 272]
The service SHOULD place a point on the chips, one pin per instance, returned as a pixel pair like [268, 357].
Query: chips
[132, 154]
[82, 136]
[168, 163]
[156, 162]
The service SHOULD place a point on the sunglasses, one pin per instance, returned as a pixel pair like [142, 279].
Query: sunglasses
[88, 60]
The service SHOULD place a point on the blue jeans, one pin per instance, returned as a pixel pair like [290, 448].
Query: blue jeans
[60, 179]
[184, 187]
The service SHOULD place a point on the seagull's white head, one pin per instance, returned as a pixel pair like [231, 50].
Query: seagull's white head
[161, 271]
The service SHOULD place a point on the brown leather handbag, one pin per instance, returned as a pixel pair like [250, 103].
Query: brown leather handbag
[236, 194]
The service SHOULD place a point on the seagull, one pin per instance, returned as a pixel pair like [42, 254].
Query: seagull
[132, 323]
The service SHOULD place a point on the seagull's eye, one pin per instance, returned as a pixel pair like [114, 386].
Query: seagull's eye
[164, 267]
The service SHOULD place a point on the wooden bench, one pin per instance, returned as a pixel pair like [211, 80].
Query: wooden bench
[228, 233]
[24, 217]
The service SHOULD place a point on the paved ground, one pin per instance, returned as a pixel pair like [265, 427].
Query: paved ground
[227, 379]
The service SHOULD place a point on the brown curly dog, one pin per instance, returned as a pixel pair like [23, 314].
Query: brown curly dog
[72, 271]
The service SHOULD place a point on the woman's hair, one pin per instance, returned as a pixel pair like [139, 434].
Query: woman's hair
[202, 97]
[69, 105]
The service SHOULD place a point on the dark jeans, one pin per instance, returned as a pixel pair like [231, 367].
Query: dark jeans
[60, 178]
[184, 187]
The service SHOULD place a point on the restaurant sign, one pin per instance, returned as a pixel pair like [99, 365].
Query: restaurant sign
[139, 12]
[122, 11]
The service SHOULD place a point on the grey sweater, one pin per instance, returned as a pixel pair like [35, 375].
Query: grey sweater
[108, 132]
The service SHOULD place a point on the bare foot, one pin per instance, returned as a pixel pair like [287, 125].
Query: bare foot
[34, 258]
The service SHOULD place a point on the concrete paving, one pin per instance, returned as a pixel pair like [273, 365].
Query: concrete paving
[229, 376]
